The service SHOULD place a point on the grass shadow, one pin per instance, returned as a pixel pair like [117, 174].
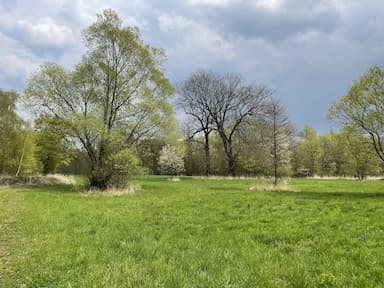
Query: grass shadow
[331, 195]
[52, 189]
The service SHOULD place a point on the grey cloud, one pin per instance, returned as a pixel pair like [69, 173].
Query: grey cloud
[310, 51]
[247, 21]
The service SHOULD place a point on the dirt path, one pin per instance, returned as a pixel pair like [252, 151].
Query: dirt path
[10, 208]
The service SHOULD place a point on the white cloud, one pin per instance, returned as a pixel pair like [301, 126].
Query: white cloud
[196, 38]
[223, 3]
[46, 32]
[15, 61]
[167, 22]
[270, 6]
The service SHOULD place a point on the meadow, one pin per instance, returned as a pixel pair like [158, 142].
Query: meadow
[194, 233]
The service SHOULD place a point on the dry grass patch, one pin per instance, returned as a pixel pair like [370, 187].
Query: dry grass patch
[268, 185]
[37, 180]
[129, 190]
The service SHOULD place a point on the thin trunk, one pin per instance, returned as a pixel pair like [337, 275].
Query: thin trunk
[274, 151]
[22, 156]
[207, 155]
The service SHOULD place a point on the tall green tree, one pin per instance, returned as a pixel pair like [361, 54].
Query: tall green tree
[114, 97]
[363, 108]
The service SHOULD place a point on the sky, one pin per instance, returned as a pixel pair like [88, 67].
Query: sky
[308, 52]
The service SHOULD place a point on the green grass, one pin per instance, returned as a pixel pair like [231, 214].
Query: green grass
[195, 233]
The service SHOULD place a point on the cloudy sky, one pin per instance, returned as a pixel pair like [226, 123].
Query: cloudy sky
[308, 51]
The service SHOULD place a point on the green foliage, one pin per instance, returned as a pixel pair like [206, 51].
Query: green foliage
[148, 150]
[309, 150]
[11, 133]
[53, 148]
[17, 140]
[363, 107]
[194, 233]
[116, 96]
[125, 164]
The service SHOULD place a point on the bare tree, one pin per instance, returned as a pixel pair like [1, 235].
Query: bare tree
[281, 129]
[233, 103]
[195, 97]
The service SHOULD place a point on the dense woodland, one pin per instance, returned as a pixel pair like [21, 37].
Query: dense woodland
[111, 117]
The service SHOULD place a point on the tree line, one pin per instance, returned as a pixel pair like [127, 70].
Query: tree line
[110, 117]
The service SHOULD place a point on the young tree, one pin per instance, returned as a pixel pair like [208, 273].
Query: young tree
[170, 163]
[114, 97]
[17, 145]
[363, 107]
[10, 136]
[281, 129]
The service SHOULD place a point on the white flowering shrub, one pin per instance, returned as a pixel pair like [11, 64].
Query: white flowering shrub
[170, 162]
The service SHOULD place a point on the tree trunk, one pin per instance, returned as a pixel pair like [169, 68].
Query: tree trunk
[22, 157]
[97, 178]
[97, 182]
[229, 152]
[207, 155]
[275, 151]
[231, 165]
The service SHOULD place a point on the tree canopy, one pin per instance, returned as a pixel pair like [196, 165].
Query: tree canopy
[114, 97]
[363, 107]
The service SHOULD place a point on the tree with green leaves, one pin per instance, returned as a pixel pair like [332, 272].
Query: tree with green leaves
[114, 97]
[363, 107]
[309, 150]
[53, 147]
[17, 141]
[10, 137]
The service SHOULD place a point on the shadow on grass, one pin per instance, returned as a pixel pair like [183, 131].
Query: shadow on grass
[52, 189]
[230, 188]
[332, 195]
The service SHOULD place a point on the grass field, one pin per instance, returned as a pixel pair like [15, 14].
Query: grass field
[195, 233]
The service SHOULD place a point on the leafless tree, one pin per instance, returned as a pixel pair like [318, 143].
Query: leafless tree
[233, 103]
[195, 98]
[221, 103]
[281, 128]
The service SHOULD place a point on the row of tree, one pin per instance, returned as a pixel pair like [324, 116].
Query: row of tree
[110, 117]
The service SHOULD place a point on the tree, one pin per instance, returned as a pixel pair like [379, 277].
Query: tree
[281, 130]
[53, 148]
[310, 150]
[10, 138]
[363, 107]
[170, 163]
[194, 95]
[359, 157]
[231, 105]
[17, 144]
[330, 156]
[114, 97]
